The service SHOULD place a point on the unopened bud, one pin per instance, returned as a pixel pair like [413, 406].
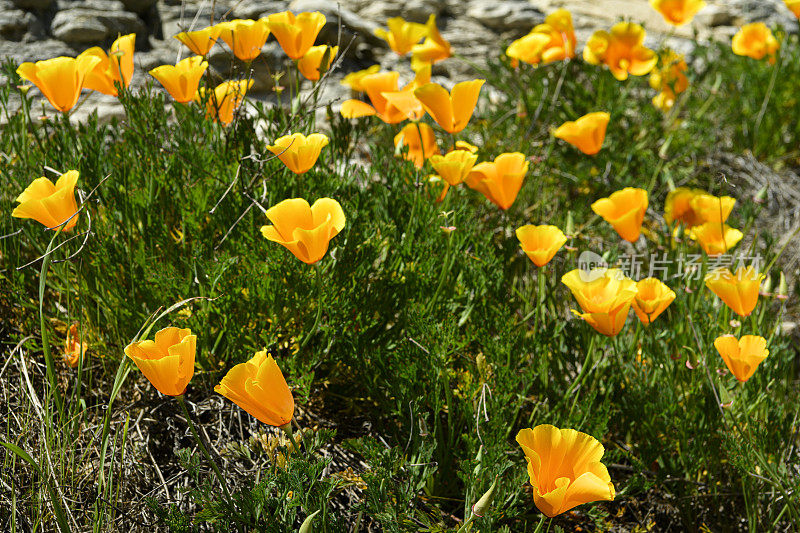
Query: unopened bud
[783, 288]
[482, 505]
[766, 287]
[306, 527]
[761, 195]
[569, 229]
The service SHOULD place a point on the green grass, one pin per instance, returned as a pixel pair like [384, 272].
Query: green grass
[421, 396]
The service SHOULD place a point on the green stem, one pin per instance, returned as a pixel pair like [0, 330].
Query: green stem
[764, 104]
[203, 448]
[443, 275]
[48, 356]
[287, 428]
[319, 307]
[540, 525]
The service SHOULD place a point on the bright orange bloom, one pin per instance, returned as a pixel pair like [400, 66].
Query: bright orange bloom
[50, 204]
[670, 78]
[454, 166]
[200, 41]
[624, 210]
[390, 104]
[552, 41]
[605, 296]
[742, 356]
[794, 7]
[74, 349]
[738, 291]
[678, 207]
[500, 180]
[587, 133]
[296, 34]
[652, 298]
[114, 68]
[678, 12]
[258, 387]
[353, 80]
[755, 40]
[225, 99]
[452, 110]
[621, 50]
[528, 49]
[168, 362]
[710, 208]
[317, 61]
[305, 230]
[402, 35]
[298, 152]
[540, 243]
[432, 50]
[60, 79]
[564, 468]
[418, 150]
[715, 238]
[181, 80]
[245, 38]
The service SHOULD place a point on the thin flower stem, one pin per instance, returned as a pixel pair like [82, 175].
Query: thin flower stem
[540, 525]
[48, 356]
[203, 448]
[764, 104]
[319, 307]
[445, 269]
[287, 428]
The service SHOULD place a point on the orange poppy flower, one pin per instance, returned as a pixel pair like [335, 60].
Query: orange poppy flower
[258, 387]
[418, 150]
[528, 49]
[500, 180]
[298, 152]
[402, 35]
[552, 41]
[50, 204]
[452, 110]
[742, 356]
[624, 210]
[432, 50]
[168, 361]
[621, 50]
[678, 12]
[60, 79]
[388, 103]
[245, 38]
[353, 80]
[540, 243]
[317, 61]
[454, 166]
[605, 295]
[715, 238]
[114, 68]
[587, 133]
[296, 34]
[670, 78]
[74, 349]
[225, 99]
[710, 208]
[652, 298]
[200, 41]
[304, 230]
[738, 291]
[755, 40]
[181, 80]
[564, 468]
[678, 207]
[794, 7]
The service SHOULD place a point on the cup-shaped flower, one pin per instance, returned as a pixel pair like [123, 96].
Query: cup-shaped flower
[298, 152]
[317, 61]
[115, 68]
[794, 7]
[528, 48]
[678, 12]
[678, 207]
[48, 203]
[738, 291]
[258, 387]
[652, 298]
[452, 110]
[500, 180]
[353, 80]
[540, 243]
[432, 50]
[565, 468]
[60, 79]
[552, 41]
[755, 40]
[200, 41]
[605, 295]
[418, 149]
[305, 230]
[402, 35]
[624, 210]
[390, 104]
[621, 50]
[167, 361]
[710, 208]
[669, 78]
[715, 238]
[587, 133]
[742, 356]
[245, 38]
[182, 79]
[296, 34]
[74, 349]
[225, 99]
[454, 166]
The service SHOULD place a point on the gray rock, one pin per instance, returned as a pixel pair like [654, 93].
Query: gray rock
[258, 8]
[716, 15]
[33, 4]
[177, 18]
[505, 16]
[88, 25]
[45, 49]
[15, 24]
[354, 27]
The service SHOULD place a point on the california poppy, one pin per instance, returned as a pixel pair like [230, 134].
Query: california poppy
[540, 243]
[564, 468]
[454, 166]
[678, 207]
[500, 180]
[225, 99]
[115, 68]
[652, 298]
[305, 230]
[669, 78]
[738, 291]
[678, 12]
[402, 35]
[168, 361]
[621, 50]
[418, 149]
[710, 208]
[432, 50]
[587, 133]
[48, 203]
[258, 387]
[794, 7]
[200, 41]
[389, 103]
[604, 295]
[624, 210]
[245, 38]
[716, 238]
[182, 79]
[742, 356]
[74, 349]
[552, 41]
[317, 61]
[755, 40]
[298, 152]
[353, 79]
[452, 110]
[296, 33]
[60, 79]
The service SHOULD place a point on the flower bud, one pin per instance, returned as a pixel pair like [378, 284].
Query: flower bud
[482, 505]
[783, 288]
[306, 527]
